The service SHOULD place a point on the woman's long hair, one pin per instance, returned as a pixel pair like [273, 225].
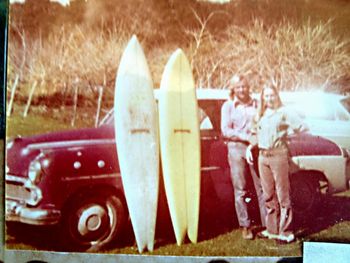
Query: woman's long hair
[262, 105]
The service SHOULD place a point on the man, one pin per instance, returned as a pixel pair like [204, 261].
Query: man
[237, 115]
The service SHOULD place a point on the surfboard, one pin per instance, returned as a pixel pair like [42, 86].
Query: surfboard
[137, 140]
[180, 145]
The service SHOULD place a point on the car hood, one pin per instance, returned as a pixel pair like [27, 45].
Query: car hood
[21, 151]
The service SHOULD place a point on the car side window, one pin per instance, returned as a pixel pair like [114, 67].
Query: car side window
[204, 121]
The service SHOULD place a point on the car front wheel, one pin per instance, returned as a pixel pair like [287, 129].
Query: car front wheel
[92, 221]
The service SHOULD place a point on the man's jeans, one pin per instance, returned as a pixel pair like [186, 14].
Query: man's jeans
[273, 167]
[240, 170]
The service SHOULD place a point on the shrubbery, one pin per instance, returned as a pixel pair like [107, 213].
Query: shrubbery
[80, 46]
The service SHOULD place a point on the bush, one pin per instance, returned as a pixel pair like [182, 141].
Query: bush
[294, 57]
[75, 47]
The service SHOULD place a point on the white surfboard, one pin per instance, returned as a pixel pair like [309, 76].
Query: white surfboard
[180, 145]
[137, 139]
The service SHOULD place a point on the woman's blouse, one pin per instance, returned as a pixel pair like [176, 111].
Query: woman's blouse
[275, 125]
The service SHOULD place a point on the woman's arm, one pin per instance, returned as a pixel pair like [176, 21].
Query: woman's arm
[295, 122]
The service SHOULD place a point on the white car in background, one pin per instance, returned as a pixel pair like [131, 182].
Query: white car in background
[326, 114]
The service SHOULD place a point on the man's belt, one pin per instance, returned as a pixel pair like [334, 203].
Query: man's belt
[273, 151]
[236, 140]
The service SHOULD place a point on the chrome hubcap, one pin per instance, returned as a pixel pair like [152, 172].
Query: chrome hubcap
[91, 219]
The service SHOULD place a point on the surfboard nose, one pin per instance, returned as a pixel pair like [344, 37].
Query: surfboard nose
[133, 54]
[132, 45]
[179, 57]
[177, 71]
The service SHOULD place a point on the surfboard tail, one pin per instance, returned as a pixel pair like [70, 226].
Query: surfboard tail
[192, 229]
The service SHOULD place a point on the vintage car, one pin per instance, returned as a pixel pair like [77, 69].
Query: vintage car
[326, 114]
[71, 178]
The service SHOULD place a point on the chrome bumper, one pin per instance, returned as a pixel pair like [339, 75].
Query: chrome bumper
[21, 197]
[18, 212]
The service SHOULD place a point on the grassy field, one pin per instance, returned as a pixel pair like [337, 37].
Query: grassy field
[219, 236]
[43, 119]
[330, 224]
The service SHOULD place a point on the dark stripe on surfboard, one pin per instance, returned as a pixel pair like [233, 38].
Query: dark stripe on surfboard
[133, 131]
[182, 130]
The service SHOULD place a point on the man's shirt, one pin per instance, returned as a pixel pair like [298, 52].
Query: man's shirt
[237, 118]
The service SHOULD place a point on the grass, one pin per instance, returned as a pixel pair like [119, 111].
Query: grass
[228, 243]
[43, 120]
[31, 125]
[225, 242]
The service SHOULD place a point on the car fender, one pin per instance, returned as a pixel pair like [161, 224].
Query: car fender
[333, 168]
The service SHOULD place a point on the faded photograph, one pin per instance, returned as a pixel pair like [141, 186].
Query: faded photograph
[177, 128]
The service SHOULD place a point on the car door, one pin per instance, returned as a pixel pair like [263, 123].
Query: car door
[215, 182]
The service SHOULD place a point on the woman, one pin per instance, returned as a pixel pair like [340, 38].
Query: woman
[274, 122]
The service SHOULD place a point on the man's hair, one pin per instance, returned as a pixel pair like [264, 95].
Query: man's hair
[235, 81]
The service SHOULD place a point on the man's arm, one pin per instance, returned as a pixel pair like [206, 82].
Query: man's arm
[253, 141]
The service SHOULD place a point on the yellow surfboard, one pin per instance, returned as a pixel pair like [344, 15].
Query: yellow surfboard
[180, 145]
[137, 138]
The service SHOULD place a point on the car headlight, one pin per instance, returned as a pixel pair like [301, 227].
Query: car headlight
[35, 172]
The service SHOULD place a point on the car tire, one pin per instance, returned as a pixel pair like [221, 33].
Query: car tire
[305, 193]
[92, 221]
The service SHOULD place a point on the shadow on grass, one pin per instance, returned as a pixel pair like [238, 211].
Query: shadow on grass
[331, 211]
[216, 218]
[22, 236]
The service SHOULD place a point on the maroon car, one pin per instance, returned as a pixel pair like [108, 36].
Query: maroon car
[72, 178]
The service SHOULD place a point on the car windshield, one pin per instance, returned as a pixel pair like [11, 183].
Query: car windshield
[108, 119]
[204, 120]
[318, 107]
